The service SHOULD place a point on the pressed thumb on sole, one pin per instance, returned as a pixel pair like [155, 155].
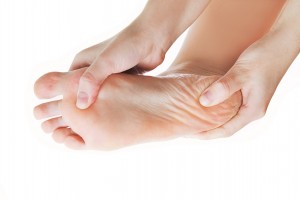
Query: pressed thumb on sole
[89, 85]
[219, 91]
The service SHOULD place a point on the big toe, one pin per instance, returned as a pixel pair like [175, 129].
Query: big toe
[57, 83]
[48, 85]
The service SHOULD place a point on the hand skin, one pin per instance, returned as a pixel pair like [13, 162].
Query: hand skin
[143, 43]
[258, 71]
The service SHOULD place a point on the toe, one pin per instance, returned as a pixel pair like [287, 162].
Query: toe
[59, 135]
[74, 141]
[46, 110]
[50, 125]
[48, 86]
[57, 83]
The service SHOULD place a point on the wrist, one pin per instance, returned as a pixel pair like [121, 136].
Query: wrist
[272, 55]
[152, 33]
[142, 44]
[279, 45]
[168, 19]
[288, 23]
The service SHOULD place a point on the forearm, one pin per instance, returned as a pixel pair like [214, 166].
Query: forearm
[278, 50]
[168, 19]
[289, 19]
[286, 29]
[281, 45]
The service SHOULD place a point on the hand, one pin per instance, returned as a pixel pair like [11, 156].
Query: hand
[86, 57]
[130, 48]
[257, 73]
[143, 44]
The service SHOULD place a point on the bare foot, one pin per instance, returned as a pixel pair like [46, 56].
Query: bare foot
[130, 109]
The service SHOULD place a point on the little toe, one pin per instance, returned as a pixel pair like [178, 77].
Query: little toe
[48, 86]
[46, 110]
[59, 135]
[50, 125]
[74, 141]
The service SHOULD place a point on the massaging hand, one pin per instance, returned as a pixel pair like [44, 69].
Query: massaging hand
[127, 49]
[142, 45]
[258, 72]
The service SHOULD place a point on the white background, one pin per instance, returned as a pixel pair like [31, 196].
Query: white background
[261, 161]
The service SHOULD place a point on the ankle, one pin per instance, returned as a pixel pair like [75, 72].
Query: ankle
[192, 67]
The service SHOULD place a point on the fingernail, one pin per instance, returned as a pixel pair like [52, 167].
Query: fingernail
[204, 99]
[82, 100]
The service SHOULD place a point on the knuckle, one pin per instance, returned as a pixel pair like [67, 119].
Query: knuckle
[232, 79]
[239, 75]
[228, 131]
[222, 133]
[81, 59]
[107, 62]
[226, 134]
[80, 54]
[89, 78]
[260, 113]
[225, 84]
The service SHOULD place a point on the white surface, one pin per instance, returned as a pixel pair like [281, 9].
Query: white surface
[260, 162]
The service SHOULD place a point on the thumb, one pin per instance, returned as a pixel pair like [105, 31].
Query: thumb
[121, 55]
[115, 59]
[90, 82]
[220, 90]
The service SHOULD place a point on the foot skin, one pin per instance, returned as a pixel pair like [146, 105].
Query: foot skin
[130, 109]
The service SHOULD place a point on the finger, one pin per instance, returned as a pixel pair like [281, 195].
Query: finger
[114, 60]
[46, 110]
[83, 59]
[49, 85]
[59, 135]
[74, 141]
[221, 90]
[240, 120]
[89, 84]
[136, 70]
[50, 125]
[86, 57]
